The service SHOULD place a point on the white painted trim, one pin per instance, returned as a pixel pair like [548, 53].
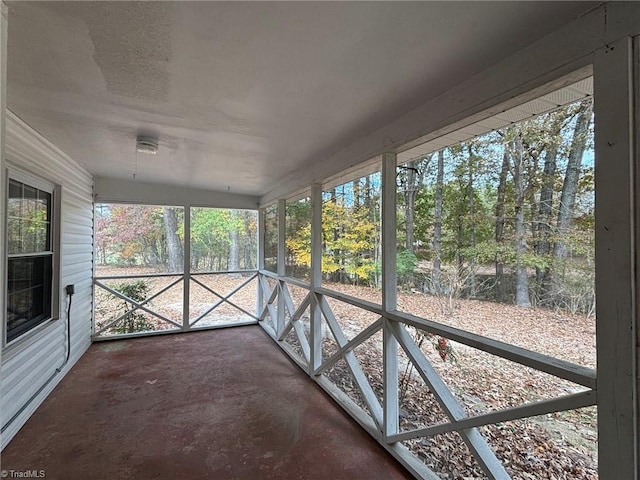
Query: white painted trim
[616, 259]
[553, 366]
[450, 405]
[124, 336]
[15, 172]
[316, 279]
[281, 266]
[259, 297]
[391, 423]
[3, 104]
[568, 402]
[117, 190]
[186, 268]
[354, 366]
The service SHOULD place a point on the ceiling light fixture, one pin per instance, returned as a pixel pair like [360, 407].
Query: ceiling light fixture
[147, 145]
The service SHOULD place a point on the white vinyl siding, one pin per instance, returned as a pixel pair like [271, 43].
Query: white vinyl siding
[32, 360]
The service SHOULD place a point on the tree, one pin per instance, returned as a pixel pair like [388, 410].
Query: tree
[571, 177]
[546, 203]
[234, 243]
[500, 224]
[413, 176]
[350, 237]
[174, 246]
[437, 227]
[516, 152]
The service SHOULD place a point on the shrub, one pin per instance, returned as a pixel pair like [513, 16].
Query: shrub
[134, 321]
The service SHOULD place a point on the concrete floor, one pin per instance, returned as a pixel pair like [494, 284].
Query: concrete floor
[219, 404]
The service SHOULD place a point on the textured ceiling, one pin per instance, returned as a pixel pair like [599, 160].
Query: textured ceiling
[242, 94]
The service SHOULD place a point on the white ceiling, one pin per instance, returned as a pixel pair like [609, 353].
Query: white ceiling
[242, 94]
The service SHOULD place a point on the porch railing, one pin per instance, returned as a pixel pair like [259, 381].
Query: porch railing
[154, 303]
[303, 325]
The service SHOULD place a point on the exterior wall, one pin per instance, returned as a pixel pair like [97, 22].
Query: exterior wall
[28, 364]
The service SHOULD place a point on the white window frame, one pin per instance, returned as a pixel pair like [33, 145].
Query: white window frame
[19, 175]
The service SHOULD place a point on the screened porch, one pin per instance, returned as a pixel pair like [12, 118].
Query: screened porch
[319, 240]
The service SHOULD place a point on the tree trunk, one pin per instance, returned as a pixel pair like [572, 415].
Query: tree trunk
[501, 294]
[337, 275]
[522, 279]
[174, 247]
[568, 194]
[472, 216]
[234, 248]
[437, 227]
[572, 175]
[249, 251]
[545, 208]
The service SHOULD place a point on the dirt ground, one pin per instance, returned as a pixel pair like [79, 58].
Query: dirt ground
[556, 446]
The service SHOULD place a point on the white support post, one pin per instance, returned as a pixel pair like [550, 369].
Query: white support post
[282, 228]
[389, 294]
[316, 278]
[616, 113]
[3, 193]
[261, 237]
[186, 273]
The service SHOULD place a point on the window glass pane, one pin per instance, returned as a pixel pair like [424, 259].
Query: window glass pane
[28, 293]
[28, 219]
[14, 206]
[14, 235]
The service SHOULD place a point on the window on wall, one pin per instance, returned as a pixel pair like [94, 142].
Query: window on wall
[30, 263]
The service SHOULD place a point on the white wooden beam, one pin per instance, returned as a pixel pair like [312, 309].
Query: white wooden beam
[118, 190]
[225, 298]
[388, 205]
[360, 378]
[616, 216]
[281, 265]
[137, 306]
[271, 296]
[261, 238]
[553, 366]
[471, 436]
[389, 295]
[351, 300]
[315, 332]
[349, 346]
[568, 402]
[186, 269]
[3, 193]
